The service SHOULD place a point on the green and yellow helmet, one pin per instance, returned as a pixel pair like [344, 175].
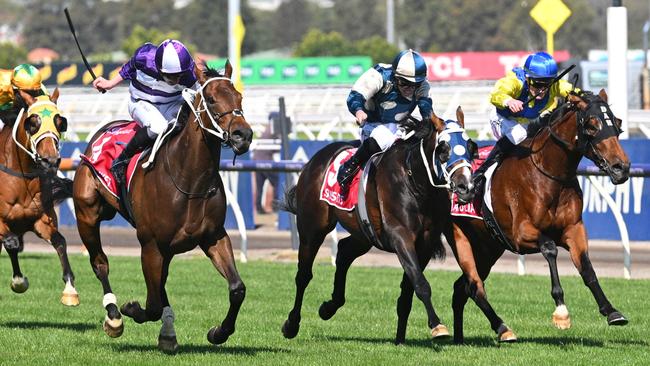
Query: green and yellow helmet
[26, 77]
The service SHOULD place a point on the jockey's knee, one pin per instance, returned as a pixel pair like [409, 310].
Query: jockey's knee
[383, 136]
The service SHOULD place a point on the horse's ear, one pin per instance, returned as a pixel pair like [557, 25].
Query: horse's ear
[29, 100]
[438, 123]
[199, 68]
[603, 95]
[460, 117]
[55, 95]
[228, 69]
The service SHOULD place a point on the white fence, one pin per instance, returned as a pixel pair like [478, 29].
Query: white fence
[320, 113]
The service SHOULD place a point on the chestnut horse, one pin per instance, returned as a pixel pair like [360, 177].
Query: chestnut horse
[177, 204]
[537, 204]
[406, 207]
[30, 187]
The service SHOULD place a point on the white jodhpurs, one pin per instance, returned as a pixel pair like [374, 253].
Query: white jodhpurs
[510, 128]
[384, 133]
[154, 117]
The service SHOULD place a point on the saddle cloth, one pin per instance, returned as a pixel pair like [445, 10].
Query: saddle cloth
[472, 209]
[330, 191]
[106, 148]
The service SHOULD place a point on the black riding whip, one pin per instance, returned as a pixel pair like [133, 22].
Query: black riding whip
[83, 57]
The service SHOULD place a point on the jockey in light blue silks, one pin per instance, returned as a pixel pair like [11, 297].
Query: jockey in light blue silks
[158, 75]
[381, 98]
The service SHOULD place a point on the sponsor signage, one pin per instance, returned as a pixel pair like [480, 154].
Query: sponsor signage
[305, 70]
[477, 65]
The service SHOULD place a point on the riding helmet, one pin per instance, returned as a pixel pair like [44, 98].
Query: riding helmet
[540, 65]
[172, 57]
[26, 77]
[410, 65]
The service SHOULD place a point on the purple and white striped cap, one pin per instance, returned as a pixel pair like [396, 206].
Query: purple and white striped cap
[172, 57]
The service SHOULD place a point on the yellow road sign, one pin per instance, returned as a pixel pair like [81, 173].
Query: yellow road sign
[550, 14]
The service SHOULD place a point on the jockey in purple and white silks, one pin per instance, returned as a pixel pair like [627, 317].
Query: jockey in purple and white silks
[158, 75]
[381, 98]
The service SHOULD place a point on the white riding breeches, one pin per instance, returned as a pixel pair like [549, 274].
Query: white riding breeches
[2, 124]
[154, 117]
[501, 126]
[384, 133]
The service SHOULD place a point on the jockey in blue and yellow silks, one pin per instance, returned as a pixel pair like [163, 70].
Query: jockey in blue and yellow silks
[379, 100]
[511, 117]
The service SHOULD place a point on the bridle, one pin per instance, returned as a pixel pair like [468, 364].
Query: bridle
[214, 117]
[584, 143]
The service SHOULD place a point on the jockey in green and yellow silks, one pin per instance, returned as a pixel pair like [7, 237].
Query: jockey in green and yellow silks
[512, 115]
[23, 77]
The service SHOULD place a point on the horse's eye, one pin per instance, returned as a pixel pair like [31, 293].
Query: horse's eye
[209, 99]
[443, 152]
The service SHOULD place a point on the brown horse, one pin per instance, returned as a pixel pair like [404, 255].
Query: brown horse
[177, 204]
[537, 204]
[407, 207]
[30, 187]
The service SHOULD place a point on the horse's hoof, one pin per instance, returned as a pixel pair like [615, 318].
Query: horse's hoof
[216, 335]
[19, 284]
[113, 327]
[616, 318]
[562, 321]
[506, 335]
[167, 344]
[327, 310]
[290, 330]
[70, 299]
[440, 331]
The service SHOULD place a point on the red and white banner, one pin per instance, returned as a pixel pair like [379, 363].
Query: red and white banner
[477, 65]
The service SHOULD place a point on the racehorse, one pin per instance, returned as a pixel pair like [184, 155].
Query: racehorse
[30, 187]
[537, 204]
[406, 208]
[177, 204]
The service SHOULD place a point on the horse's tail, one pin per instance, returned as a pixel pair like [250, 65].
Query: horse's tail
[290, 202]
[438, 251]
[61, 189]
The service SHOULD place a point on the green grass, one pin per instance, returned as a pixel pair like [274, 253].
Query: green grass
[36, 329]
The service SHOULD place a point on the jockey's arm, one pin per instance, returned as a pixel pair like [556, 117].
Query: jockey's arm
[506, 88]
[368, 84]
[566, 87]
[425, 103]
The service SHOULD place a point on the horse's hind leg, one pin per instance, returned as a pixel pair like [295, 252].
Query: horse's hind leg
[87, 210]
[349, 249]
[46, 229]
[561, 318]
[310, 242]
[220, 253]
[575, 238]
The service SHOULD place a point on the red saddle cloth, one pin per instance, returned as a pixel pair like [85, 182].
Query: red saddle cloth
[106, 148]
[330, 191]
[472, 209]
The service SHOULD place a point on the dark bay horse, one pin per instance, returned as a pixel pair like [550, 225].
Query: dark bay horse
[405, 210]
[177, 204]
[30, 188]
[537, 203]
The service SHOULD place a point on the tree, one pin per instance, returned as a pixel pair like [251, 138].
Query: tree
[317, 43]
[141, 35]
[377, 48]
[205, 24]
[11, 55]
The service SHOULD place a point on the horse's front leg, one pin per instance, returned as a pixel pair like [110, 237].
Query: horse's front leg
[13, 243]
[220, 253]
[349, 249]
[46, 229]
[561, 318]
[575, 237]
[403, 240]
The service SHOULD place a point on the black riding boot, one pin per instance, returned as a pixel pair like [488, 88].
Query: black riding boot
[139, 141]
[500, 149]
[348, 170]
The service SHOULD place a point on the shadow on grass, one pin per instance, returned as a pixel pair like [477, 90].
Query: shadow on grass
[578, 341]
[77, 327]
[201, 349]
[436, 345]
